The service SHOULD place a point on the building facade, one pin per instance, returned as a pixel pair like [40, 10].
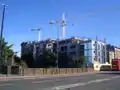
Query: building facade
[117, 52]
[36, 48]
[110, 53]
[71, 46]
[94, 51]
[113, 52]
[91, 50]
[26, 47]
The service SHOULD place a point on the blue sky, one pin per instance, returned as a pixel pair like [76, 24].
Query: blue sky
[90, 18]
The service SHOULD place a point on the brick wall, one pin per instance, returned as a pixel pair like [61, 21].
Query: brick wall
[54, 71]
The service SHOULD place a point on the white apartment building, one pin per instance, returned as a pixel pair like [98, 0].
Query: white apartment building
[95, 51]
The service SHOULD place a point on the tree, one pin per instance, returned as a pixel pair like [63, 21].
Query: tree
[64, 61]
[7, 52]
[51, 57]
[18, 60]
[81, 62]
[47, 59]
[28, 59]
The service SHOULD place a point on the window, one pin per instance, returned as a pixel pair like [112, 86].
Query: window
[73, 53]
[103, 47]
[99, 53]
[65, 48]
[98, 47]
[49, 45]
[95, 59]
[37, 48]
[81, 47]
[99, 59]
[73, 46]
[81, 52]
[94, 44]
[62, 48]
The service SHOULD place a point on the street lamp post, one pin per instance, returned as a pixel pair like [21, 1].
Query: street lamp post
[56, 23]
[1, 32]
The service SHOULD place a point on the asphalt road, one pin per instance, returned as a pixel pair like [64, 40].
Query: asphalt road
[82, 82]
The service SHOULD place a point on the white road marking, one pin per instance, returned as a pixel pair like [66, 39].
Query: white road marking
[80, 84]
[35, 82]
[116, 77]
[98, 80]
[40, 81]
[2, 85]
[100, 75]
[45, 81]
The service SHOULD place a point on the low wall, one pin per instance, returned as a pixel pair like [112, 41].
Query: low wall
[53, 71]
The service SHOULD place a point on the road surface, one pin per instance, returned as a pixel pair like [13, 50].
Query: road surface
[83, 82]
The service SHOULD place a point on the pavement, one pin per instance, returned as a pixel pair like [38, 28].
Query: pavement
[86, 81]
[16, 77]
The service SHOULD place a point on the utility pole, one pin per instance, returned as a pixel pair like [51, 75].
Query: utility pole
[1, 32]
